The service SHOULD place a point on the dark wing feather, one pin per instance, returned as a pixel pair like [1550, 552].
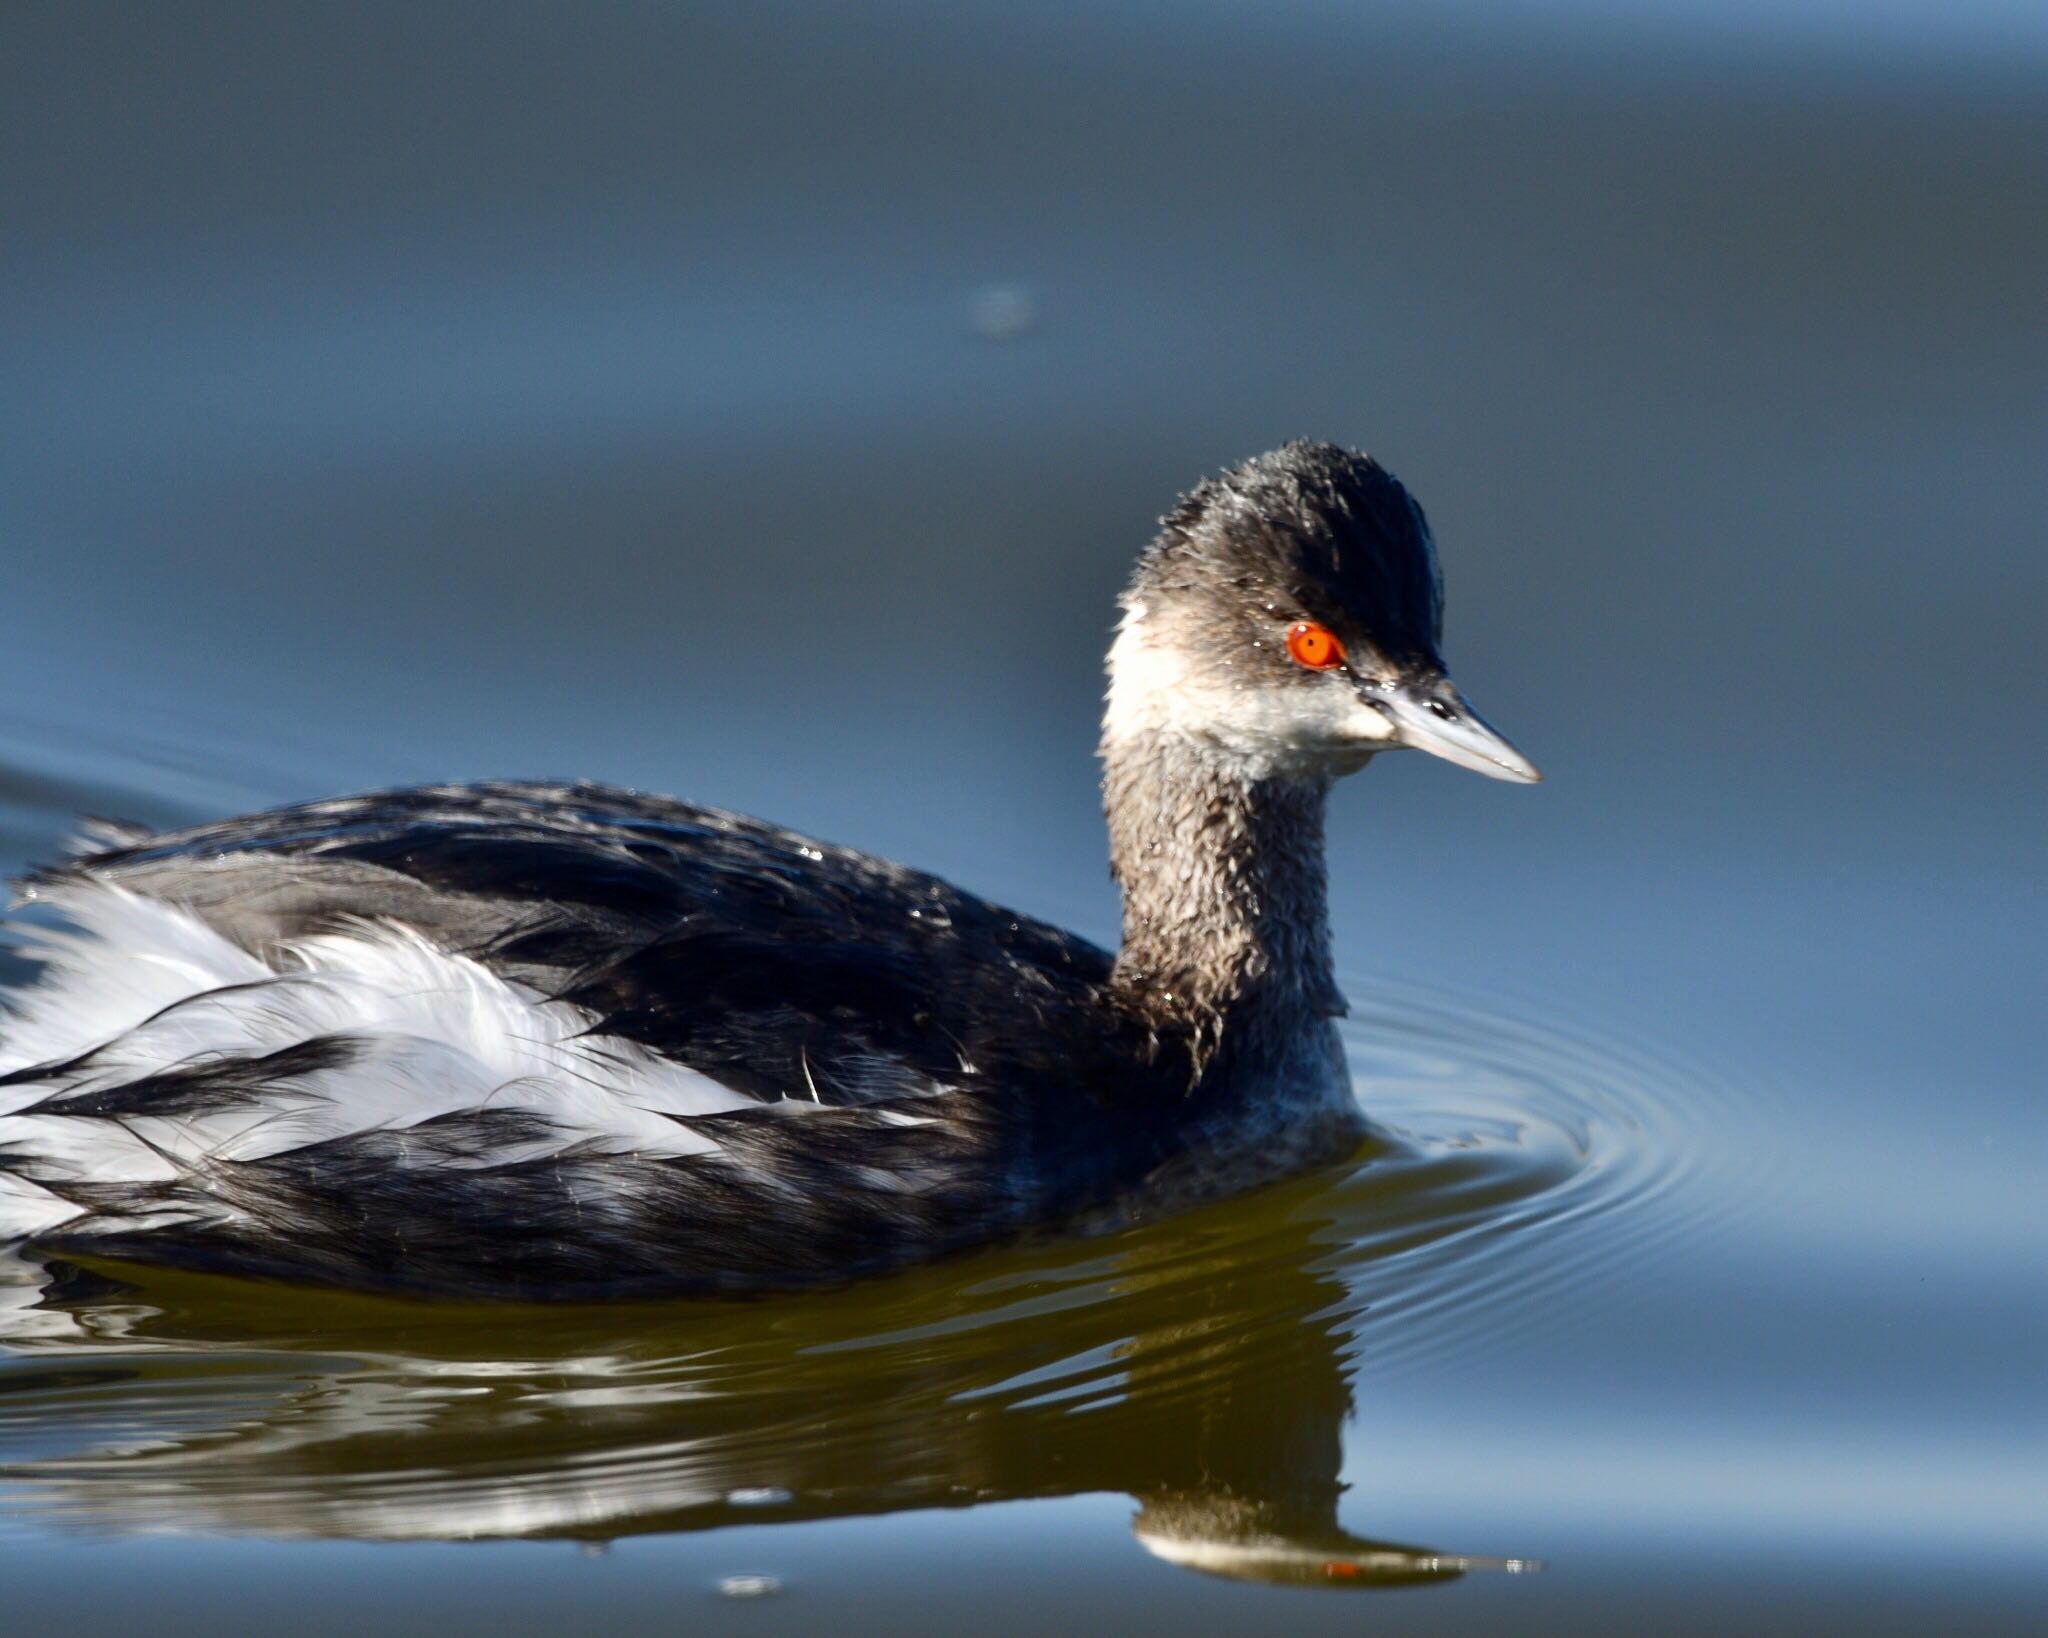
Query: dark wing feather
[782, 966]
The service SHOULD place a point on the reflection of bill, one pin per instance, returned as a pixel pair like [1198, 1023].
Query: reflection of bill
[1203, 1375]
[1244, 1550]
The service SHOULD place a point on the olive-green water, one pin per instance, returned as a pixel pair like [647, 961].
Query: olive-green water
[764, 404]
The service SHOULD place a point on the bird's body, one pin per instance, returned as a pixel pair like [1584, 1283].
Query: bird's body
[530, 1039]
[561, 1041]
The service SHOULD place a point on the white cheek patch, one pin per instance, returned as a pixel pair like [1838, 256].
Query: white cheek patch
[1148, 683]
[1153, 693]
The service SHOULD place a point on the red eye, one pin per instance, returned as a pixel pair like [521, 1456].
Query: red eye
[1314, 646]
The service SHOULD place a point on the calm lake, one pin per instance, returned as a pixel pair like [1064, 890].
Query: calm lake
[763, 404]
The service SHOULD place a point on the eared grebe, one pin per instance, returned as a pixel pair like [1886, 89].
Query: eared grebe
[563, 1041]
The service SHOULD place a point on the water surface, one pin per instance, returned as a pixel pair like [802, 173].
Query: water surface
[384, 397]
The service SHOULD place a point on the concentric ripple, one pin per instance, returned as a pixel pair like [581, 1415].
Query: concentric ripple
[1516, 1139]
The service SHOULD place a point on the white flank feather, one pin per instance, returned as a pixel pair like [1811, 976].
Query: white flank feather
[144, 988]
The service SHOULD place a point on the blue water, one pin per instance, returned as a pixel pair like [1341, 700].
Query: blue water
[396, 393]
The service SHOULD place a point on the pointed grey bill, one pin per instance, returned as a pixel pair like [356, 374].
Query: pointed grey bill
[1434, 717]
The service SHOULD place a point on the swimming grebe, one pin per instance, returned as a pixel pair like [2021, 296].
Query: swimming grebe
[566, 1041]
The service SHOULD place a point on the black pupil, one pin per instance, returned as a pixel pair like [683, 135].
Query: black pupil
[1441, 709]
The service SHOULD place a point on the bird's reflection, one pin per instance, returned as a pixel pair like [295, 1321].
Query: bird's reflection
[1198, 1366]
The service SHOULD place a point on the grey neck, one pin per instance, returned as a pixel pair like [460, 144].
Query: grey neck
[1223, 884]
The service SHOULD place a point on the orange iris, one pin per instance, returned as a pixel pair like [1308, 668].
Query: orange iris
[1314, 646]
